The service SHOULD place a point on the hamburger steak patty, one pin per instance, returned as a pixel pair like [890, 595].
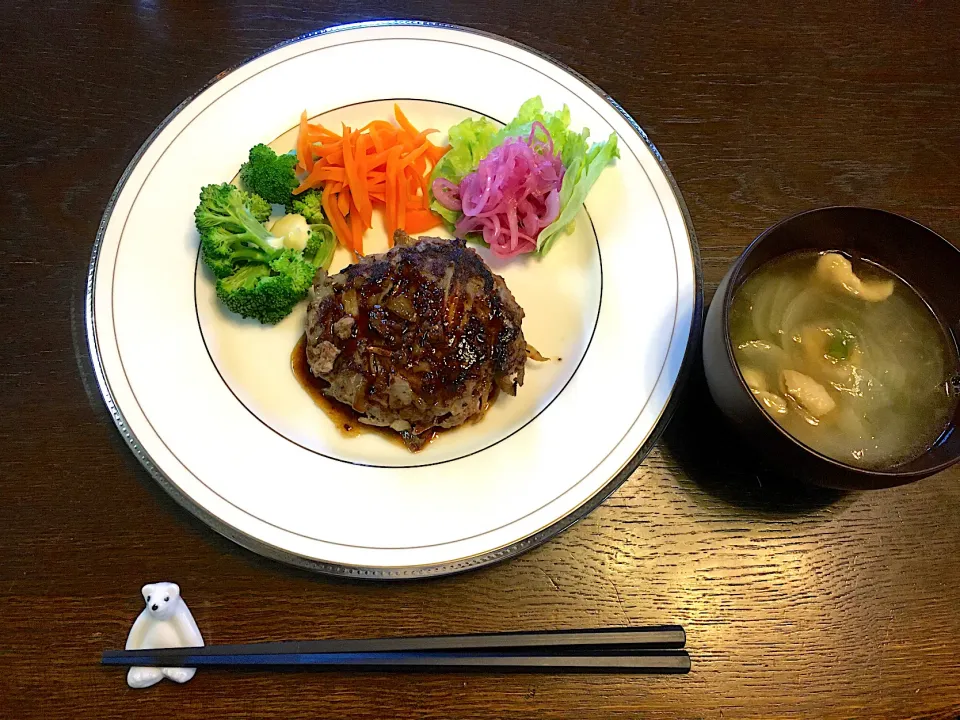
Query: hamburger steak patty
[415, 338]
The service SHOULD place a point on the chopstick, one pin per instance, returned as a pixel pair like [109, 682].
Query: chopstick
[651, 649]
[665, 636]
[647, 661]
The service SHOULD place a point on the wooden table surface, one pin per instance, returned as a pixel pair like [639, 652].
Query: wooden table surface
[797, 602]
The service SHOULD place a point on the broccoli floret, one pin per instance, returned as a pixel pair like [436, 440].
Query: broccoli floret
[221, 267]
[253, 292]
[223, 252]
[230, 234]
[322, 241]
[227, 223]
[244, 279]
[255, 278]
[258, 207]
[314, 245]
[308, 205]
[291, 264]
[269, 175]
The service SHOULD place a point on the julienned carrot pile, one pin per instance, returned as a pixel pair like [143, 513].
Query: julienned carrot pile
[380, 164]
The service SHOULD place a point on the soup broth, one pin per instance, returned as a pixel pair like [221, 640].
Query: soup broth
[846, 358]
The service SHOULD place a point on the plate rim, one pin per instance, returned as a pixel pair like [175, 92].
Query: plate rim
[436, 569]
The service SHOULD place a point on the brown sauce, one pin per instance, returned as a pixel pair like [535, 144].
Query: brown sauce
[343, 417]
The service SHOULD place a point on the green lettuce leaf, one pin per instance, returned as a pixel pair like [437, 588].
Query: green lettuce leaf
[580, 176]
[565, 142]
[472, 139]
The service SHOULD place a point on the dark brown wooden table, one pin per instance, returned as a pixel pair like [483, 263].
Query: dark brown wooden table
[798, 602]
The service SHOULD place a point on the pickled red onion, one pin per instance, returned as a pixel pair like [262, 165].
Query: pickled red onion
[513, 194]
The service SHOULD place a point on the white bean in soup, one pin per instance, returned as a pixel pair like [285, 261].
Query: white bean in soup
[845, 356]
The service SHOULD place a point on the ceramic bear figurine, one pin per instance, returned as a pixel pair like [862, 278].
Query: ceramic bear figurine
[165, 622]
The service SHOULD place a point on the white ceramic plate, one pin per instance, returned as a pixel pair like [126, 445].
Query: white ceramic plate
[210, 406]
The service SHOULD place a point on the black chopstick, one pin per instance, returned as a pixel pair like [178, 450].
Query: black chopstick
[587, 641]
[636, 650]
[647, 661]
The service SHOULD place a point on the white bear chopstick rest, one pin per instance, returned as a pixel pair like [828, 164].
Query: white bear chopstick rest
[165, 622]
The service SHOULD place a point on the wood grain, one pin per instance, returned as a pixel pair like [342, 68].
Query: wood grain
[797, 602]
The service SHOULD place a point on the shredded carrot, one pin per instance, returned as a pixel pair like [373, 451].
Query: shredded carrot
[404, 188]
[382, 163]
[421, 185]
[320, 174]
[422, 136]
[420, 164]
[378, 125]
[379, 160]
[304, 156]
[330, 204]
[406, 140]
[392, 192]
[378, 142]
[349, 164]
[359, 190]
[402, 120]
[413, 156]
[435, 153]
[419, 221]
[356, 228]
[324, 151]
